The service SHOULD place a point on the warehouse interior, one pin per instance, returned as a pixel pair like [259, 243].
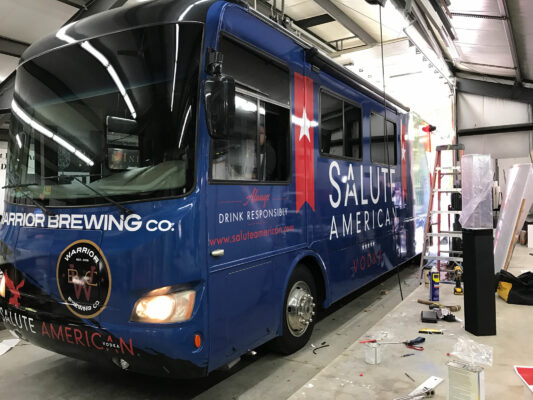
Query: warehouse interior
[464, 70]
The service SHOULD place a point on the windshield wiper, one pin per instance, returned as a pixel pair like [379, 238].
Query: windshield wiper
[37, 204]
[19, 185]
[125, 210]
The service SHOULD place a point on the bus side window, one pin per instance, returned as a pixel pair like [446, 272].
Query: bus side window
[379, 147]
[259, 147]
[340, 128]
[331, 134]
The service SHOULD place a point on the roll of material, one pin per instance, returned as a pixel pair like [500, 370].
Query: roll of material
[477, 183]
[516, 204]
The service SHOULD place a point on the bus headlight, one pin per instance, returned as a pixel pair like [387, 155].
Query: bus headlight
[2, 285]
[164, 309]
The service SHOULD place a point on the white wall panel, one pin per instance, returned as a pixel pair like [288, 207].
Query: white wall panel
[499, 145]
[478, 111]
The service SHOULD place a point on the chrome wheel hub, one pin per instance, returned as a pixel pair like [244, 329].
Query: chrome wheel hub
[300, 308]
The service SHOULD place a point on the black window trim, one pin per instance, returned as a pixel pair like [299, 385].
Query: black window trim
[344, 99]
[250, 92]
[250, 47]
[239, 89]
[385, 136]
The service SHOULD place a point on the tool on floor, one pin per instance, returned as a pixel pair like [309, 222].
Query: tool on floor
[412, 344]
[409, 376]
[428, 316]
[409, 343]
[451, 254]
[445, 315]
[320, 347]
[451, 308]
[425, 390]
[430, 331]
[434, 279]
[458, 272]
[408, 354]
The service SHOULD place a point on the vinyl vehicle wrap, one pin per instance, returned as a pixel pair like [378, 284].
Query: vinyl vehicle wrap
[99, 221]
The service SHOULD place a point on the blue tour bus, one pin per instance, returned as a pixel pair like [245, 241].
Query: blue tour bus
[188, 180]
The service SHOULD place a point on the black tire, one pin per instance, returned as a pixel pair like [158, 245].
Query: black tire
[292, 338]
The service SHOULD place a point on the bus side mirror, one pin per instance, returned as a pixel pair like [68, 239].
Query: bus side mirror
[220, 105]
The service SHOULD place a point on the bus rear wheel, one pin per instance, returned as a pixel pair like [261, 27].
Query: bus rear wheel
[298, 311]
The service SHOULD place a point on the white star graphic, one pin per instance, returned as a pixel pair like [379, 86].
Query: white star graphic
[305, 124]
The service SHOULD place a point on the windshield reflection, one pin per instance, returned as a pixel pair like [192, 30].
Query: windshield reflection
[125, 130]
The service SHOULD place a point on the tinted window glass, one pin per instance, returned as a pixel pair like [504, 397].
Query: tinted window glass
[274, 142]
[236, 158]
[352, 126]
[377, 139]
[379, 146]
[116, 112]
[391, 142]
[331, 132]
[258, 149]
[257, 73]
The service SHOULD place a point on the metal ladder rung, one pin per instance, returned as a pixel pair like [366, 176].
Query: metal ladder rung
[451, 173]
[453, 168]
[444, 258]
[451, 190]
[451, 251]
[446, 234]
[451, 147]
[445, 212]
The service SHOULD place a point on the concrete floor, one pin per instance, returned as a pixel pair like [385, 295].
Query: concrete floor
[349, 377]
[28, 372]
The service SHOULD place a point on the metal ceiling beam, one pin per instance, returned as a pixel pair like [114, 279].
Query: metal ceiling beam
[486, 65]
[345, 21]
[314, 21]
[12, 47]
[444, 19]
[498, 90]
[365, 47]
[487, 130]
[510, 38]
[477, 16]
[263, 8]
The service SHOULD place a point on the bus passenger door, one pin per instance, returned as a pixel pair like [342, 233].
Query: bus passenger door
[252, 220]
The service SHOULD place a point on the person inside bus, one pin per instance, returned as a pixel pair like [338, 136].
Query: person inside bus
[267, 158]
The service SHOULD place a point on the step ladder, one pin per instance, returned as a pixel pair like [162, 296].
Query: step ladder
[443, 256]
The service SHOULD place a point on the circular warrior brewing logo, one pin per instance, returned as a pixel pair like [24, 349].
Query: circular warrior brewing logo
[83, 279]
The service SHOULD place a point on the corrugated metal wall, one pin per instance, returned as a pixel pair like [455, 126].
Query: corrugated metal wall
[479, 111]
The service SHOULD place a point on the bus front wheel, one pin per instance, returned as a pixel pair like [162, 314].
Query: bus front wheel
[298, 311]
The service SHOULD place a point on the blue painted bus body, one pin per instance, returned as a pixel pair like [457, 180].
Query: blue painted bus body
[239, 297]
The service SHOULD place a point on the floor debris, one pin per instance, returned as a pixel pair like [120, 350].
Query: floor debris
[7, 345]
[322, 345]
[409, 376]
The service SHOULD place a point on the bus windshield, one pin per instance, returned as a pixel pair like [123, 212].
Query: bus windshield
[116, 114]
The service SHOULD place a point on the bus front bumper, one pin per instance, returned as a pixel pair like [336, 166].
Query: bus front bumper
[137, 352]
